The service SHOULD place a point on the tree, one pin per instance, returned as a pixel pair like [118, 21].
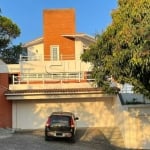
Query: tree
[11, 55]
[123, 49]
[8, 32]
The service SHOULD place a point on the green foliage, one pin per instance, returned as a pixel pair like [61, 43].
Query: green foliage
[123, 49]
[8, 32]
[11, 55]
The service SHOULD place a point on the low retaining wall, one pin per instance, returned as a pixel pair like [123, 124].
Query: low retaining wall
[134, 124]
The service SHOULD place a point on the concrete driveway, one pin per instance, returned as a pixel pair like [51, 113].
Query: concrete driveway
[86, 139]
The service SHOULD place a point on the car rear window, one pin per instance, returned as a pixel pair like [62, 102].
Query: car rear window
[57, 120]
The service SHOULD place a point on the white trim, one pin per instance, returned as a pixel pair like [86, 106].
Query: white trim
[52, 55]
[33, 42]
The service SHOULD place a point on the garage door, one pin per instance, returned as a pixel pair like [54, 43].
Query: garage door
[91, 112]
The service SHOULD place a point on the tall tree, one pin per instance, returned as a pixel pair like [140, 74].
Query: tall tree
[123, 49]
[8, 31]
[11, 54]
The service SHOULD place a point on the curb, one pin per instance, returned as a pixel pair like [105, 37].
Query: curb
[6, 132]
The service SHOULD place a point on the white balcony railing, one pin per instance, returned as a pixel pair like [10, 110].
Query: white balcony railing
[45, 58]
[52, 77]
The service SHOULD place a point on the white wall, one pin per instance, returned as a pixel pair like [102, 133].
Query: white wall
[134, 124]
[78, 48]
[92, 112]
[36, 52]
[50, 86]
[60, 66]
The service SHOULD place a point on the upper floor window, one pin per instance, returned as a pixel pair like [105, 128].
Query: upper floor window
[54, 51]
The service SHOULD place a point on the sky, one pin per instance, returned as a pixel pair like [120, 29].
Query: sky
[92, 16]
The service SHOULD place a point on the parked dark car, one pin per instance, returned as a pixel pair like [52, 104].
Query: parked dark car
[61, 125]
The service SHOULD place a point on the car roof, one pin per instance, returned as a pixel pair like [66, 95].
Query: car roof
[62, 113]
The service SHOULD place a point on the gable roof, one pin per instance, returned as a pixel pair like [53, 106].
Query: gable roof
[33, 42]
[80, 35]
[77, 35]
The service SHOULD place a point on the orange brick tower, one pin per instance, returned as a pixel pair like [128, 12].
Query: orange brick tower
[56, 24]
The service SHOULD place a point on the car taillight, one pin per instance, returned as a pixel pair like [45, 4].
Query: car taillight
[71, 122]
[48, 122]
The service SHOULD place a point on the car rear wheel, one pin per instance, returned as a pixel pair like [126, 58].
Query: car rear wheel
[46, 136]
[72, 139]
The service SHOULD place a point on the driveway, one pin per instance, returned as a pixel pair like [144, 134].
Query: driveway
[86, 139]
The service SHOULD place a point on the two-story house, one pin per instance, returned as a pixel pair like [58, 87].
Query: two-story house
[52, 77]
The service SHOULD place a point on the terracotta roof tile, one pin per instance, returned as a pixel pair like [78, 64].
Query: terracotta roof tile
[73, 90]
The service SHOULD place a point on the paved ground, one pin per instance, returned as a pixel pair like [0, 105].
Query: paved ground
[5, 133]
[34, 140]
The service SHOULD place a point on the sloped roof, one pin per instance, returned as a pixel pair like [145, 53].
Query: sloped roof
[73, 90]
[3, 67]
[34, 42]
[77, 35]
[55, 94]
[80, 35]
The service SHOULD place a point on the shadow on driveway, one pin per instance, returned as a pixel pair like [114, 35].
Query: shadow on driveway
[90, 136]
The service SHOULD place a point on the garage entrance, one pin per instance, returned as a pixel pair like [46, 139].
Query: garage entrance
[92, 112]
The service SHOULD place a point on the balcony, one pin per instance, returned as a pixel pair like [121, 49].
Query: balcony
[35, 72]
[52, 80]
[37, 57]
[66, 63]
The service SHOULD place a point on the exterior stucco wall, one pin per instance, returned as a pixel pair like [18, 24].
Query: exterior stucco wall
[58, 66]
[13, 68]
[134, 124]
[50, 86]
[78, 48]
[92, 112]
[36, 52]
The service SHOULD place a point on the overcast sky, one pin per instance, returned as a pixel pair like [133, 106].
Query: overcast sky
[92, 16]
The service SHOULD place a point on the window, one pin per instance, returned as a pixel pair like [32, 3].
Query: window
[60, 120]
[54, 51]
